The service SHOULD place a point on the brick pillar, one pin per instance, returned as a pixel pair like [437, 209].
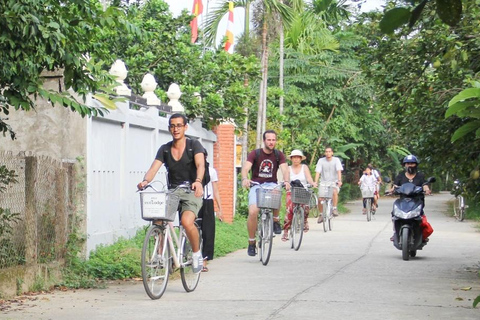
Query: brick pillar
[224, 163]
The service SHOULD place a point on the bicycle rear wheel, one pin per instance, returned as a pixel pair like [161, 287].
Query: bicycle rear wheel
[266, 236]
[296, 228]
[156, 261]
[189, 278]
[368, 207]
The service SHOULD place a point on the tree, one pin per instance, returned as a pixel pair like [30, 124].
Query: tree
[38, 35]
[166, 51]
[417, 72]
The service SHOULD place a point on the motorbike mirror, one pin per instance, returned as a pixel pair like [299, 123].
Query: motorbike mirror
[386, 179]
[431, 180]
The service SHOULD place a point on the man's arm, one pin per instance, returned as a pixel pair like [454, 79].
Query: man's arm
[200, 164]
[286, 175]
[245, 170]
[216, 197]
[339, 177]
[317, 177]
[150, 175]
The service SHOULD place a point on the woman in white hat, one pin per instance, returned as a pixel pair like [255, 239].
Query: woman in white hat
[301, 172]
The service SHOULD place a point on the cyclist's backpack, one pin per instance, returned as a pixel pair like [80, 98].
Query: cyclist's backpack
[189, 147]
[277, 156]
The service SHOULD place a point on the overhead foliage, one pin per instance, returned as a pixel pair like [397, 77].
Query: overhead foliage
[417, 72]
[166, 51]
[39, 35]
[449, 11]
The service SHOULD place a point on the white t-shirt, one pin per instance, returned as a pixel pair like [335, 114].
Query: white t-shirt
[208, 190]
[368, 181]
[328, 169]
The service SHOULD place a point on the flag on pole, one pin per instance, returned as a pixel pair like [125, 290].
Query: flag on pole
[196, 11]
[229, 34]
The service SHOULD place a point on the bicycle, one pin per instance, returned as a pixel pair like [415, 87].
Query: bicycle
[313, 205]
[325, 191]
[165, 246]
[459, 202]
[300, 196]
[367, 195]
[268, 199]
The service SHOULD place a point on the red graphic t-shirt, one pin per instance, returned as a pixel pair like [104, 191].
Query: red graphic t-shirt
[265, 168]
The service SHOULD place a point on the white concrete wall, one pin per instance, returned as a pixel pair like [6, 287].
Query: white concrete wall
[120, 148]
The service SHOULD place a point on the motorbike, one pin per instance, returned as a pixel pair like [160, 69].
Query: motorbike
[407, 218]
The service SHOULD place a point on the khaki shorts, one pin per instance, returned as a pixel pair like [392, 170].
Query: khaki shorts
[188, 201]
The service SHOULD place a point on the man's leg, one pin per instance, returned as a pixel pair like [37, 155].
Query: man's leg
[320, 210]
[277, 228]
[188, 219]
[252, 228]
[335, 201]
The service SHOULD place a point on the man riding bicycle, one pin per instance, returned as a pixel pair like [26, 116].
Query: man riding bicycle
[180, 170]
[329, 169]
[264, 164]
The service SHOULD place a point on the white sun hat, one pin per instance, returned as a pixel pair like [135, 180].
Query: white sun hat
[297, 153]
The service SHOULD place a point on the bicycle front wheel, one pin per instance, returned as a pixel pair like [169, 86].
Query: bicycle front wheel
[330, 214]
[459, 208]
[156, 261]
[266, 236]
[368, 207]
[325, 215]
[189, 278]
[296, 229]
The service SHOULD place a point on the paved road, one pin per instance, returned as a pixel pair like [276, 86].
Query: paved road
[352, 272]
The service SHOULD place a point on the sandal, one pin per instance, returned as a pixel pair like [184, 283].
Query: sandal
[204, 269]
[306, 227]
[284, 237]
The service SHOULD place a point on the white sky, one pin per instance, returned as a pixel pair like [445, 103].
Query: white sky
[176, 6]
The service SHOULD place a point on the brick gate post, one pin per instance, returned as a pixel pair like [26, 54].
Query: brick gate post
[224, 163]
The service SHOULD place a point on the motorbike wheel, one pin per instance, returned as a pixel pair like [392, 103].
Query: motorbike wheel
[413, 253]
[405, 251]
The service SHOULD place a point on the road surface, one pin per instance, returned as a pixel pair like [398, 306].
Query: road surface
[352, 272]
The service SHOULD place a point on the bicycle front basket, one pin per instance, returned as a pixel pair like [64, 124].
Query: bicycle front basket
[368, 192]
[269, 198]
[159, 205]
[325, 190]
[301, 195]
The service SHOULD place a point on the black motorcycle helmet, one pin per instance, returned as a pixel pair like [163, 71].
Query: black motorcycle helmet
[410, 159]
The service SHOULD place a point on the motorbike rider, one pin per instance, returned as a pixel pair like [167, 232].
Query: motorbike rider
[412, 175]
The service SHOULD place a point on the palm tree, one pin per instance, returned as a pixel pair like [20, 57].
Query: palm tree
[267, 10]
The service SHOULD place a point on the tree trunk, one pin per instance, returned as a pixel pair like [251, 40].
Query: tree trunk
[280, 77]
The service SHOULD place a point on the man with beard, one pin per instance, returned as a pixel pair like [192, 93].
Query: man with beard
[264, 163]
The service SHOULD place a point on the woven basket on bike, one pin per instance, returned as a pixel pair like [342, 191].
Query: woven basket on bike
[301, 195]
[325, 190]
[269, 198]
[159, 205]
[368, 192]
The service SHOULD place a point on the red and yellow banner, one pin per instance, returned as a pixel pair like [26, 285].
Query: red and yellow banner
[229, 34]
[196, 11]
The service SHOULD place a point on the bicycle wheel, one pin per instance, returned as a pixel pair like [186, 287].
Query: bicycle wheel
[266, 237]
[330, 214]
[189, 278]
[156, 261]
[460, 208]
[296, 228]
[368, 207]
[325, 215]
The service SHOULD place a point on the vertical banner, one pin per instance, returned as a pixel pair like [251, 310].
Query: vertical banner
[229, 34]
[196, 11]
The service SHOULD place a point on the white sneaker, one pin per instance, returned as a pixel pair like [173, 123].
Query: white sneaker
[197, 262]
